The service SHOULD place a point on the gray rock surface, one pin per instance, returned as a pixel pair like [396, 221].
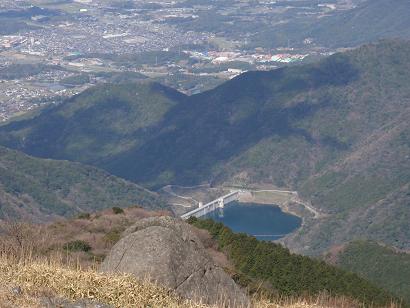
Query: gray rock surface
[167, 251]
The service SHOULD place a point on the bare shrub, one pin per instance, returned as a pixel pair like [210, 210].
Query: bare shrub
[21, 238]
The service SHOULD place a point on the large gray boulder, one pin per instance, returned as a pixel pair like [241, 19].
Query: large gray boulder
[167, 251]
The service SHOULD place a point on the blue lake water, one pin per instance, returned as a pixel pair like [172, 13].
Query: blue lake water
[265, 222]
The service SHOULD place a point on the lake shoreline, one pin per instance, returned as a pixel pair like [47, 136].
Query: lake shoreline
[288, 201]
[264, 221]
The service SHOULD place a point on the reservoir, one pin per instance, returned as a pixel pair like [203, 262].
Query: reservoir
[265, 222]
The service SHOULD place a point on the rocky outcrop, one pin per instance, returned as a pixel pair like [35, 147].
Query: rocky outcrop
[167, 251]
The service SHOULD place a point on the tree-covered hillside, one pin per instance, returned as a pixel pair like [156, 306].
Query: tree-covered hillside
[275, 268]
[95, 125]
[371, 20]
[337, 131]
[384, 266]
[42, 189]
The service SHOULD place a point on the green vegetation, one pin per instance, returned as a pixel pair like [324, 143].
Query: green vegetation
[117, 210]
[76, 80]
[10, 26]
[41, 189]
[101, 122]
[372, 20]
[133, 60]
[77, 245]
[337, 131]
[385, 267]
[121, 77]
[287, 273]
[84, 216]
[17, 71]
[113, 236]
[193, 83]
[368, 22]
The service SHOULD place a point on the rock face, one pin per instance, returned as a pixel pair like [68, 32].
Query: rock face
[167, 251]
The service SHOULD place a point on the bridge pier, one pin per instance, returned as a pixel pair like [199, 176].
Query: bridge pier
[221, 212]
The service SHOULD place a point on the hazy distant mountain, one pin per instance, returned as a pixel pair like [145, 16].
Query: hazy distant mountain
[371, 20]
[43, 189]
[337, 131]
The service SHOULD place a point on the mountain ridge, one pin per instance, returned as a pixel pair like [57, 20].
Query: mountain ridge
[335, 130]
[367, 22]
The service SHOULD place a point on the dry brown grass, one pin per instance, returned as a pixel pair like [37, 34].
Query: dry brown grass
[320, 301]
[101, 231]
[31, 257]
[39, 279]
[52, 278]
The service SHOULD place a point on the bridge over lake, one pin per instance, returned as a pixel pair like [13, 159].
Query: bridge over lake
[219, 203]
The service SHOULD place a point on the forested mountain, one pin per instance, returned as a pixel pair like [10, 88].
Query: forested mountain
[42, 189]
[371, 20]
[336, 130]
[95, 125]
[272, 267]
[365, 258]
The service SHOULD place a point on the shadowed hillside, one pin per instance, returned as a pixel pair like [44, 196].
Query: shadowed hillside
[336, 131]
[97, 124]
[42, 189]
